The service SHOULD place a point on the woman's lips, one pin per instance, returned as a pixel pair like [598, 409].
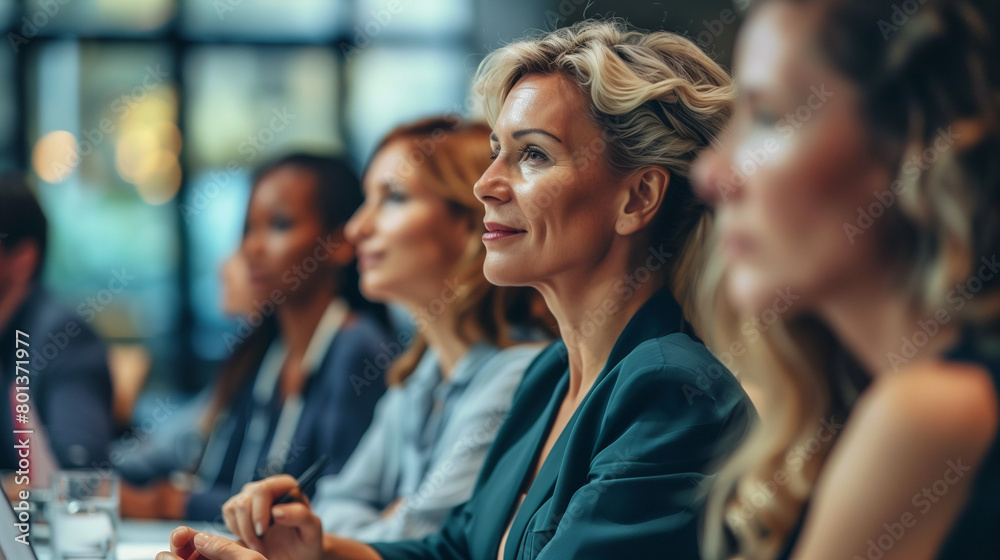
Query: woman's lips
[257, 277]
[368, 260]
[496, 231]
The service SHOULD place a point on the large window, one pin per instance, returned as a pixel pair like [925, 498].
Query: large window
[142, 122]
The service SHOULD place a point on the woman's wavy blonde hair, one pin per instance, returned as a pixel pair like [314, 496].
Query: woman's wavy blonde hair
[658, 100]
[936, 72]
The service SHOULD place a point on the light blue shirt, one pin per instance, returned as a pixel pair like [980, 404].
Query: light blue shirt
[425, 445]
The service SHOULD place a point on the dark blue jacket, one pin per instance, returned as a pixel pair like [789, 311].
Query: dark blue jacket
[338, 404]
[69, 387]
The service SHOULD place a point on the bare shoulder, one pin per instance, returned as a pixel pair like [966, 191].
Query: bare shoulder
[929, 422]
[941, 404]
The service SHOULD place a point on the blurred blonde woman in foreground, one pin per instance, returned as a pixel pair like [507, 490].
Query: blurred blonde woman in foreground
[858, 231]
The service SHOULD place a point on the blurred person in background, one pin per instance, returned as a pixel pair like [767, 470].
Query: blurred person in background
[305, 381]
[174, 448]
[68, 383]
[418, 242]
[616, 425]
[871, 222]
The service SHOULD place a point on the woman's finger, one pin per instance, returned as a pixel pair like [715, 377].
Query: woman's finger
[214, 547]
[237, 515]
[301, 517]
[180, 542]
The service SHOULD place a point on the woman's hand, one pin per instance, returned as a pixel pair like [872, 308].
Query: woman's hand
[188, 544]
[391, 509]
[297, 532]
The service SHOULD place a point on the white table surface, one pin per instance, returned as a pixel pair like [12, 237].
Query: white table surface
[141, 540]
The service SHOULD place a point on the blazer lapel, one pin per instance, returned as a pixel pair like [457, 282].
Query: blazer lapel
[543, 485]
[659, 316]
[528, 450]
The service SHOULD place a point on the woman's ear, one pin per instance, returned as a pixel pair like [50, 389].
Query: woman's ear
[342, 252]
[646, 190]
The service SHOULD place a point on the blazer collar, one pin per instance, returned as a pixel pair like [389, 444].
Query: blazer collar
[428, 370]
[659, 316]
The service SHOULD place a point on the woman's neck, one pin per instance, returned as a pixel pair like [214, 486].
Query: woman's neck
[593, 308]
[444, 339]
[298, 320]
[883, 330]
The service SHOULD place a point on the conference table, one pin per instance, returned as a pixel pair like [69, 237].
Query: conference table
[137, 540]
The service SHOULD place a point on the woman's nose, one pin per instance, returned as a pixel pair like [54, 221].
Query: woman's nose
[711, 177]
[359, 226]
[492, 188]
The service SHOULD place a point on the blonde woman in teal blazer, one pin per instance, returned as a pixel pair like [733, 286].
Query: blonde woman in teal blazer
[616, 428]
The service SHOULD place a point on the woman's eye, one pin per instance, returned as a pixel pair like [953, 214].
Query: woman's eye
[531, 153]
[281, 223]
[765, 118]
[393, 196]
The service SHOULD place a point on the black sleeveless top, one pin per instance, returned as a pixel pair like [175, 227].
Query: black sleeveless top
[975, 534]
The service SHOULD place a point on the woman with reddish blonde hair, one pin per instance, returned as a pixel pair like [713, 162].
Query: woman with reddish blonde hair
[417, 237]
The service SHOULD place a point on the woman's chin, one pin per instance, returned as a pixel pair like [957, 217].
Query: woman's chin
[748, 291]
[374, 292]
[502, 274]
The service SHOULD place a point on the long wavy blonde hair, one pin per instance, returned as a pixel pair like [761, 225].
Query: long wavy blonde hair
[658, 100]
[938, 71]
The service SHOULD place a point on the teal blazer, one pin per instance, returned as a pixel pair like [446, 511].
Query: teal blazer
[625, 478]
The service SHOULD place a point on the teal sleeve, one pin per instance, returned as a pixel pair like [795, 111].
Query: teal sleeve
[450, 543]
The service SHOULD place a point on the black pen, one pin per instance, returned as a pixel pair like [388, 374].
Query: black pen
[307, 478]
